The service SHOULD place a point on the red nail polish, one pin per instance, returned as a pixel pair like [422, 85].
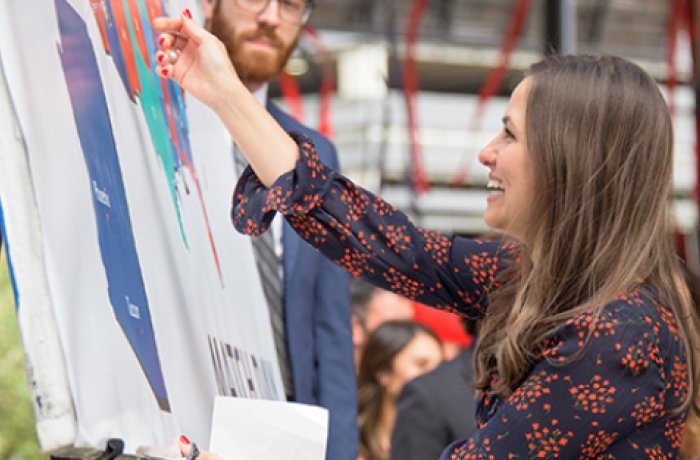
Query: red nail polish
[161, 57]
[184, 440]
[161, 41]
[187, 13]
[165, 72]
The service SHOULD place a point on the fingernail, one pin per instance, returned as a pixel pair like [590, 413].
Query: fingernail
[184, 440]
[187, 13]
[165, 72]
[161, 57]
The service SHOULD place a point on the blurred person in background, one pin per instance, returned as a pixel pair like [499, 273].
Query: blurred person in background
[371, 307]
[436, 408]
[449, 327]
[395, 353]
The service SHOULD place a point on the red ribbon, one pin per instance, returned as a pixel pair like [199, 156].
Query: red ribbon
[676, 17]
[292, 96]
[325, 126]
[410, 84]
[289, 86]
[497, 74]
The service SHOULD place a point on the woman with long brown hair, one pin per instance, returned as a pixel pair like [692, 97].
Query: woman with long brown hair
[396, 352]
[588, 342]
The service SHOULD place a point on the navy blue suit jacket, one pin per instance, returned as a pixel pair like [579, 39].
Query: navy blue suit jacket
[317, 312]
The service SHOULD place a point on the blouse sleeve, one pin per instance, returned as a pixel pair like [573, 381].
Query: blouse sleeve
[369, 237]
[584, 397]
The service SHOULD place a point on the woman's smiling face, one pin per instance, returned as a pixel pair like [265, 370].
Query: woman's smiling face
[511, 179]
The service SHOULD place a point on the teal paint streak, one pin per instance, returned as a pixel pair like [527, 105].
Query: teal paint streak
[153, 107]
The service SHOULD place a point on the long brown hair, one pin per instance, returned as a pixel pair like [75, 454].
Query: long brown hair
[382, 346]
[600, 141]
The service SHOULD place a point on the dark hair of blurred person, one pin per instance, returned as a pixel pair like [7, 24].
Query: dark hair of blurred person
[395, 353]
[437, 408]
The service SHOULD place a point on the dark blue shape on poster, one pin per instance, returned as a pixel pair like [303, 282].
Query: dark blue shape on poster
[117, 247]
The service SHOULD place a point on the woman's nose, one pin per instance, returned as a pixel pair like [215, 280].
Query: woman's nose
[487, 155]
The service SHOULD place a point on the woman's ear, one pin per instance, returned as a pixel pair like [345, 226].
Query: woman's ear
[384, 378]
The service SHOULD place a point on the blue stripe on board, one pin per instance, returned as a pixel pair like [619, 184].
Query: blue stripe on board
[3, 234]
[120, 259]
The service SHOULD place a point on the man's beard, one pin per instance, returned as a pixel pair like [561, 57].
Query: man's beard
[253, 67]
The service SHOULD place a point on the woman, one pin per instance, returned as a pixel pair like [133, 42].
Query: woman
[588, 337]
[395, 353]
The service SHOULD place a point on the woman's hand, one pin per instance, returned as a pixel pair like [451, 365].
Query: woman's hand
[191, 452]
[199, 63]
[194, 58]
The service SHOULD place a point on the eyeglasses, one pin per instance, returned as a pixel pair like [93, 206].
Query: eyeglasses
[292, 11]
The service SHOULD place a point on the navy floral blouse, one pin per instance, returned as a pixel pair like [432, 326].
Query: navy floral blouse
[614, 400]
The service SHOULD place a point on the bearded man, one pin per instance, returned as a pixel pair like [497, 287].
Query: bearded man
[312, 331]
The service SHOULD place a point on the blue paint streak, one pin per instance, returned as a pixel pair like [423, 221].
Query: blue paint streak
[116, 240]
[177, 105]
[3, 231]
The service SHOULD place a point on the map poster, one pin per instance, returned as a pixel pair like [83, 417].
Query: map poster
[155, 299]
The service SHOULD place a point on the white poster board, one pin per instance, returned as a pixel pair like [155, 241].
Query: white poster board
[131, 280]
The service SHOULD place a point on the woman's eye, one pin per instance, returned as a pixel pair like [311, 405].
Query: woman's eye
[508, 133]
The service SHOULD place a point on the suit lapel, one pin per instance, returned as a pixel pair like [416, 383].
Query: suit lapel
[291, 243]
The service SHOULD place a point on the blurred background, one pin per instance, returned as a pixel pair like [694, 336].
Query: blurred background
[411, 89]
[17, 435]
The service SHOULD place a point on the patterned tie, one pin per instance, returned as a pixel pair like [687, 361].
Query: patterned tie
[268, 266]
